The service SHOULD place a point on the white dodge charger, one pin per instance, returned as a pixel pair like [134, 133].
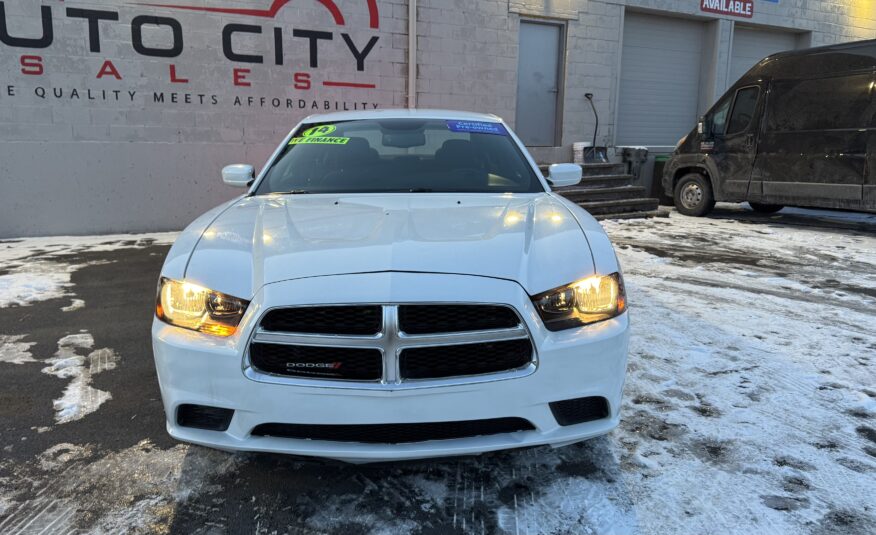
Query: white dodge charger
[394, 284]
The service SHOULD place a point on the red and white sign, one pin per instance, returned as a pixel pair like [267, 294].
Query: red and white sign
[735, 8]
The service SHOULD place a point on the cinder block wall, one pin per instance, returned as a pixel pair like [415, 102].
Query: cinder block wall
[118, 162]
[74, 163]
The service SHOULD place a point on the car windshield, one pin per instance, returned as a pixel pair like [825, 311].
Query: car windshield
[401, 155]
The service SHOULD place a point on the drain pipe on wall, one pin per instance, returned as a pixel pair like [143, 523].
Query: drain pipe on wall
[412, 54]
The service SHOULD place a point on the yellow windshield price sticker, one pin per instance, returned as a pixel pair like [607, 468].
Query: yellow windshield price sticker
[319, 135]
[319, 131]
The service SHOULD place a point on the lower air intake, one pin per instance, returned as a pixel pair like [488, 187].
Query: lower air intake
[204, 417]
[579, 410]
[395, 433]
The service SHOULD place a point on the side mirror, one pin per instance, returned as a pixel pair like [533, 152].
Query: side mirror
[565, 174]
[239, 175]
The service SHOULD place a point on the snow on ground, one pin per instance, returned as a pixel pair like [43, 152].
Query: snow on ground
[75, 304]
[754, 350]
[79, 398]
[14, 351]
[34, 269]
[750, 407]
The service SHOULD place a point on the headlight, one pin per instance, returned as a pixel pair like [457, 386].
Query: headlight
[194, 307]
[586, 301]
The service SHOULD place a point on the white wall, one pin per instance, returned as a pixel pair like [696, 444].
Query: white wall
[73, 165]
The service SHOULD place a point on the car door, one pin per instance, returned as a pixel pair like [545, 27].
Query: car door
[813, 148]
[735, 147]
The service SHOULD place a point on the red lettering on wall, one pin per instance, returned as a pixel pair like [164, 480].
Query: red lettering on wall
[302, 80]
[108, 69]
[240, 77]
[32, 65]
[174, 79]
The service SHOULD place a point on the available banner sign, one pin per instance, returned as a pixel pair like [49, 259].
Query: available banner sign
[735, 8]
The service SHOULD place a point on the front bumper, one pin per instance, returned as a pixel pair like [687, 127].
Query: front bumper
[200, 369]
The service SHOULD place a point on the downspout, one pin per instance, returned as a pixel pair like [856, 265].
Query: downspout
[412, 54]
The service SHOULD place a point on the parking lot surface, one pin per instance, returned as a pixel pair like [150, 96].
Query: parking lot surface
[750, 404]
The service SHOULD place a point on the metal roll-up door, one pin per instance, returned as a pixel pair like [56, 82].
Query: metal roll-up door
[660, 79]
[751, 45]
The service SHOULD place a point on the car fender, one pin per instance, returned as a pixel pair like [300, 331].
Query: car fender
[680, 164]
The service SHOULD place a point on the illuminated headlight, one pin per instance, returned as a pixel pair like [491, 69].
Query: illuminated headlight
[194, 307]
[586, 301]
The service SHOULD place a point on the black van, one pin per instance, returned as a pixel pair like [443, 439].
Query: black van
[798, 129]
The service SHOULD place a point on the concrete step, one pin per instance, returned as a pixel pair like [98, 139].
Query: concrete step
[579, 193]
[621, 206]
[632, 215]
[602, 169]
[605, 181]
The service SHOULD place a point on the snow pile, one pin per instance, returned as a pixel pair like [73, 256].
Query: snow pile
[37, 281]
[74, 305]
[14, 351]
[79, 398]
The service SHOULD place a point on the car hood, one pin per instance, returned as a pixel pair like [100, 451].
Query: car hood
[529, 238]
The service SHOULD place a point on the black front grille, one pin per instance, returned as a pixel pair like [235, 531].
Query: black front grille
[579, 410]
[468, 359]
[358, 364]
[204, 417]
[395, 433]
[427, 319]
[345, 320]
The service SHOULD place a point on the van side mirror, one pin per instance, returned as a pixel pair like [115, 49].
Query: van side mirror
[238, 175]
[564, 174]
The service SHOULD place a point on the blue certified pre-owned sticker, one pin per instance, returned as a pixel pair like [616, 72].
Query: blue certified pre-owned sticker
[477, 127]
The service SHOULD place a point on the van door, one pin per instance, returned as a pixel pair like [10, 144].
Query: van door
[813, 148]
[735, 142]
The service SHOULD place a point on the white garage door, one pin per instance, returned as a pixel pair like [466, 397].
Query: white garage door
[660, 79]
[751, 45]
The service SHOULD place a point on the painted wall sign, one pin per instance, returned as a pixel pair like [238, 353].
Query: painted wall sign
[123, 41]
[104, 103]
[734, 8]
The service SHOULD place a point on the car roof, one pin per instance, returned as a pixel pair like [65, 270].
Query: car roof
[402, 113]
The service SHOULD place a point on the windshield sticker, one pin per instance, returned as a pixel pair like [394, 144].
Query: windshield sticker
[319, 140]
[477, 127]
[318, 131]
[319, 135]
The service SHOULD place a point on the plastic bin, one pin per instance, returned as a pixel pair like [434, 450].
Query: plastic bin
[657, 180]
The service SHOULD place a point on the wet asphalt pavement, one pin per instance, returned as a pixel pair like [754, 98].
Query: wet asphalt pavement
[116, 470]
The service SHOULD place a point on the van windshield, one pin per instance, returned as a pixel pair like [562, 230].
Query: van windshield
[401, 155]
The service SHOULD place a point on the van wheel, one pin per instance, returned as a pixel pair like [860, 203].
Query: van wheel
[693, 195]
[765, 208]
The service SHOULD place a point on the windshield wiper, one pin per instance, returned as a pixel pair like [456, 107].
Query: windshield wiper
[292, 192]
[420, 190]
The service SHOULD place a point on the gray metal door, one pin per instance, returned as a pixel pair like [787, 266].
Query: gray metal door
[538, 83]
[751, 45]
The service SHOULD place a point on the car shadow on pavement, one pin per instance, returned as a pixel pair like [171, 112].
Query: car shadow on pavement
[529, 490]
[821, 220]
